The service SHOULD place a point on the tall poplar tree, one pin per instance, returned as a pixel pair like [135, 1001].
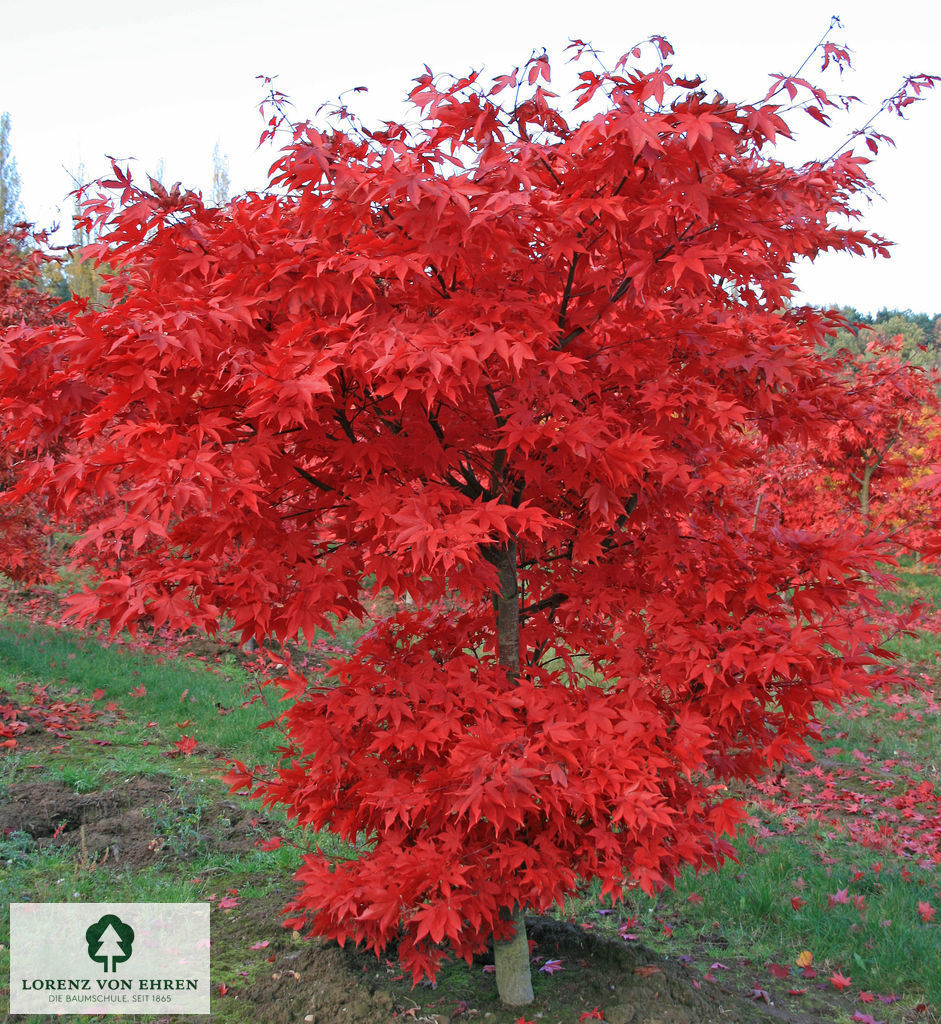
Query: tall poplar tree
[221, 183]
[11, 209]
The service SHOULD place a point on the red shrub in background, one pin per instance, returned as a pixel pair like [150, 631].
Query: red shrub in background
[25, 553]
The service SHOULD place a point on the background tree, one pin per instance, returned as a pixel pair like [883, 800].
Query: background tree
[865, 474]
[221, 183]
[11, 210]
[78, 276]
[519, 366]
[25, 539]
[917, 335]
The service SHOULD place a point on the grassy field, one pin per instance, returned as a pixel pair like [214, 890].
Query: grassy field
[829, 914]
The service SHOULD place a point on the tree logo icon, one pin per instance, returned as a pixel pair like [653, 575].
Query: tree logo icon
[109, 938]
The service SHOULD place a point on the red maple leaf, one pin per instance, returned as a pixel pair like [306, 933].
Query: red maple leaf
[840, 896]
[838, 981]
[184, 746]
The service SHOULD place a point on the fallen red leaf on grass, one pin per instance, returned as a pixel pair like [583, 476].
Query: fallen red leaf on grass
[184, 746]
[840, 896]
[838, 981]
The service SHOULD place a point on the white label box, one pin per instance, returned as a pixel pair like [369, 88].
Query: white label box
[84, 958]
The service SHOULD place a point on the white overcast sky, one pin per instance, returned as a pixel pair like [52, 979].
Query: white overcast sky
[167, 79]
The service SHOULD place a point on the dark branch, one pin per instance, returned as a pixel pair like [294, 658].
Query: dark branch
[435, 425]
[311, 479]
[567, 294]
[550, 603]
[340, 417]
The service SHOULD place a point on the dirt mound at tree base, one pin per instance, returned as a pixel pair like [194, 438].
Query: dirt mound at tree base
[322, 985]
[318, 983]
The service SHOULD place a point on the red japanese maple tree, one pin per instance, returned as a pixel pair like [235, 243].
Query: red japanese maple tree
[24, 540]
[867, 470]
[511, 363]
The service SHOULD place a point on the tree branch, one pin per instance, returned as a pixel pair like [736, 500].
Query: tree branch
[311, 479]
[567, 294]
[549, 603]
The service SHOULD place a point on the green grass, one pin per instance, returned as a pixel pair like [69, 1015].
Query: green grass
[177, 690]
[917, 585]
[751, 903]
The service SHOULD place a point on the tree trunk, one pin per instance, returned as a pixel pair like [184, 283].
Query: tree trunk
[864, 491]
[511, 958]
[508, 612]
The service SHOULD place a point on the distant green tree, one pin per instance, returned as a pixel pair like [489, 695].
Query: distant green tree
[919, 333]
[912, 331]
[53, 281]
[923, 320]
[11, 210]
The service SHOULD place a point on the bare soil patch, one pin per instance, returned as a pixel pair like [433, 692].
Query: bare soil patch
[113, 826]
